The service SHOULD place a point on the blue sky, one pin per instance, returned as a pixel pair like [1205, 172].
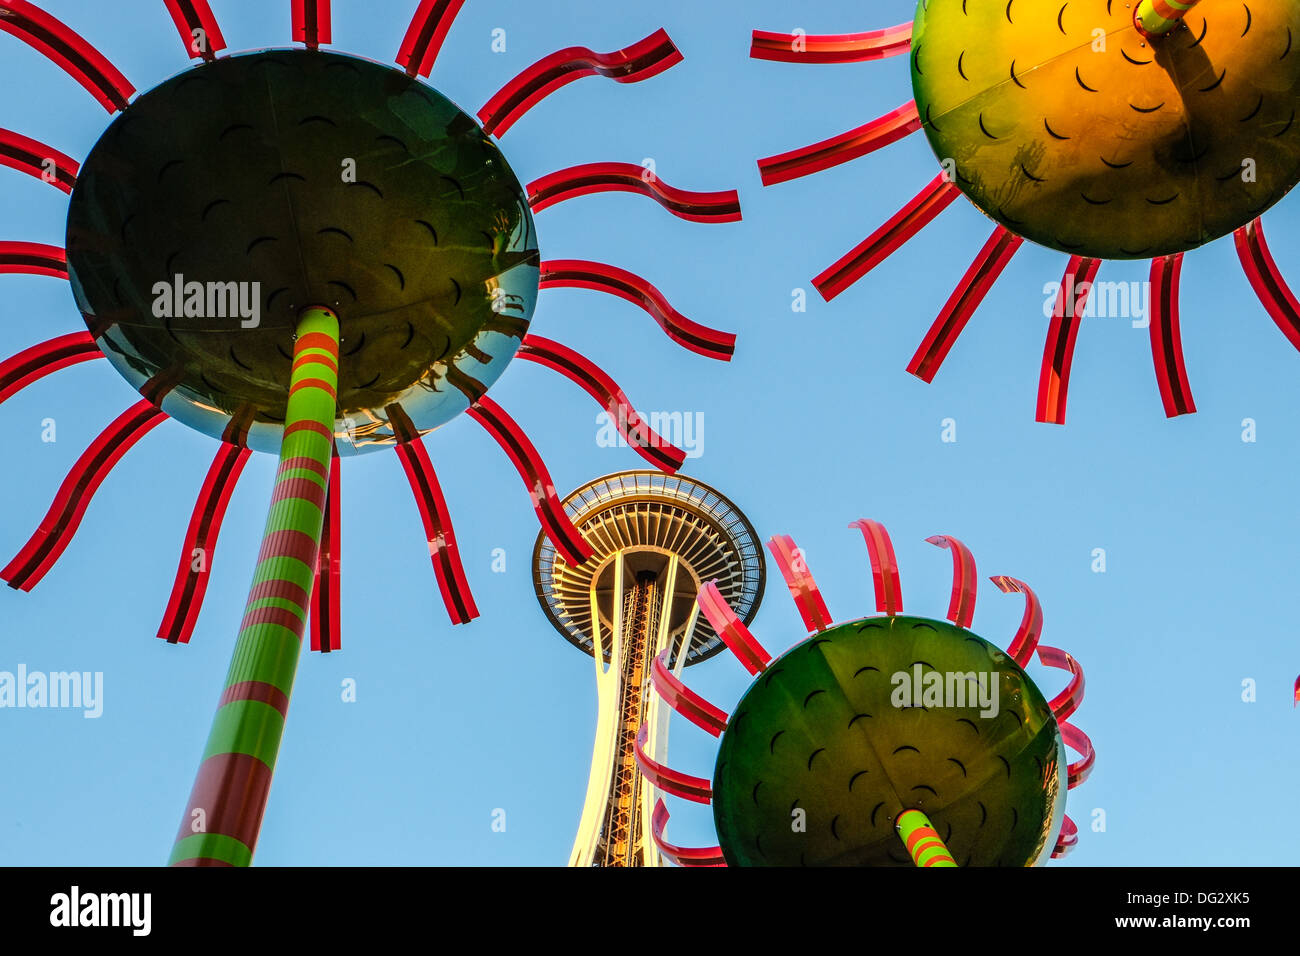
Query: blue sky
[815, 423]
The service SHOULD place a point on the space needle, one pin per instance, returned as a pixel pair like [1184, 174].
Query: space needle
[657, 539]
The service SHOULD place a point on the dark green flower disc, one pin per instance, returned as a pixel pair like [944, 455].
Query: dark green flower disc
[278, 180]
[870, 718]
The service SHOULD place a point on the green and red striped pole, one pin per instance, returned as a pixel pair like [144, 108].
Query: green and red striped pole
[922, 840]
[225, 810]
[1158, 17]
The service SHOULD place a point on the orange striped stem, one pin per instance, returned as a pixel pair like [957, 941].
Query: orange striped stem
[922, 841]
[224, 815]
[1158, 17]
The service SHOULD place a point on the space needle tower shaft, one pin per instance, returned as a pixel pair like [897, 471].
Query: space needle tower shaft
[657, 539]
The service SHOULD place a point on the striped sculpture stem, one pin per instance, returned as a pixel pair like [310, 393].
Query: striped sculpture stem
[1157, 17]
[225, 810]
[922, 841]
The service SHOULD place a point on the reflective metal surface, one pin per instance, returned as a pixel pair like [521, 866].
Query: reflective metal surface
[1071, 128]
[288, 178]
[825, 730]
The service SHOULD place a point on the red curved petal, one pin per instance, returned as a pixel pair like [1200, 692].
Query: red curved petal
[578, 369]
[831, 47]
[326, 602]
[679, 784]
[1296, 699]
[559, 527]
[161, 383]
[684, 700]
[966, 298]
[592, 178]
[884, 566]
[682, 856]
[69, 50]
[1067, 840]
[33, 258]
[192, 15]
[1058, 352]
[803, 588]
[50, 540]
[965, 581]
[36, 159]
[751, 654]
[1067, 701]
[885, 241]
[582, 274]
[438, 530]
[425, 36]
[19, 371]
[1075, 738]
[186, 600]
[837, 150]
[1266, 279]
[1031, 624]
[640, 61]
[311, 24]
[1166, 338]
